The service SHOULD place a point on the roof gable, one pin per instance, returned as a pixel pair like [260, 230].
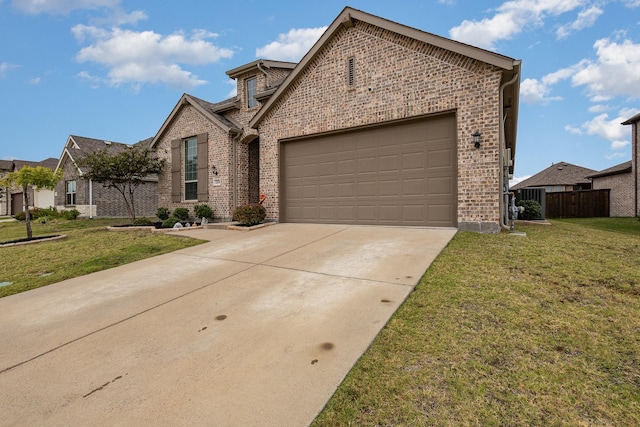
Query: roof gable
[346, 17]
[78, 146]
[207, 109]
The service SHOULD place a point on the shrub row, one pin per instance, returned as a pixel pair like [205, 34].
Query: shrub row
[47, 214]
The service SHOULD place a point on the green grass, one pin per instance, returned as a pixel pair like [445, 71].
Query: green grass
[508, 330]
[88, 247]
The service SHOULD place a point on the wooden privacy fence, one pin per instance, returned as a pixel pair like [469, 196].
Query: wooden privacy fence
[578, 204]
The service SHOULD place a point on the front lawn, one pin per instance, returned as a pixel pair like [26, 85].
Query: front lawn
[508, 330]
[88, 247]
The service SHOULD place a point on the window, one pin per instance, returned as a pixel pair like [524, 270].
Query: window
[71, 192]
[191, 169]
[252, 87]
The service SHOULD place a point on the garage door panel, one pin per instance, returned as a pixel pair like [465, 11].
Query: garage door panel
[440, 214]
[413, 161]
[367, 189]
[440, 186]
[413, 187]
[440, 158]
[390, 188]
[400, 174]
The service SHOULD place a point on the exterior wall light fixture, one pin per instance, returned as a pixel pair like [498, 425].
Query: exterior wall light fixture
[476, 139]
[214, 170]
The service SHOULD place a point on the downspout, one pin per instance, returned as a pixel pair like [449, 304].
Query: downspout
[90, 199]
[266, 76]
[234, 167]
[504, 174]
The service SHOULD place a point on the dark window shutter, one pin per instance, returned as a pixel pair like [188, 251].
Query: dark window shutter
[176, 167]
[203, 168]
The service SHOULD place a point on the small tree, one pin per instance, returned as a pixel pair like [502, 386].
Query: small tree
[37, 177]
[125, 171]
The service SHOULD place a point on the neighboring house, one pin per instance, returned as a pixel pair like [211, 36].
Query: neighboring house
[561, 176]
[12, 198]
[619, 180]
[375, 125]
[90, 198]
[6, 166]
[635, 162]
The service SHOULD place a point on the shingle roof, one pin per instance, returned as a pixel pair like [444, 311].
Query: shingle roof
[50, 163]
[561, 173]
[632, 120]
[213, 110]
[614, 170]
[91, 145]
[6, 165]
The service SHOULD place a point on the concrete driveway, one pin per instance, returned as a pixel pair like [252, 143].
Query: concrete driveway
[250, 329]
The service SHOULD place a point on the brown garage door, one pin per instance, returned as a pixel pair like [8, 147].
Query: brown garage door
[399, 174]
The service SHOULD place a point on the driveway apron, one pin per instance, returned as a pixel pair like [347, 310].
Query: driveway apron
[250, 329]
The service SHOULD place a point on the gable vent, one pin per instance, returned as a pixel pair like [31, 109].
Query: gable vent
[351, 75]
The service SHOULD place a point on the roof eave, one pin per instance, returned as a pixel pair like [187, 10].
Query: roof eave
[345, 18]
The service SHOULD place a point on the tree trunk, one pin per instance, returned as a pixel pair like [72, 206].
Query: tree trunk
[27, 214]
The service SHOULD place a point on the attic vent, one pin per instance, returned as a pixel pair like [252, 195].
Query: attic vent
[107, 142]
[351, 74]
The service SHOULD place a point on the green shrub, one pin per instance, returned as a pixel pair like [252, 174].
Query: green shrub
[532, 209]
[249, 214]
[162, 213]
[142, 221]
[50, 212]
[35, 213]
[203, 211]
[70, 214]
[170, 222]
[181, 213]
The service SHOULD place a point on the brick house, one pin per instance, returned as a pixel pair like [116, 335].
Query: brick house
[12, 198]
[6, 166]
[375, 125]
[619, 180]
[90, 198]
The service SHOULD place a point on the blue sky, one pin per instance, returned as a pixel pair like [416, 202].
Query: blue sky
[114, 69]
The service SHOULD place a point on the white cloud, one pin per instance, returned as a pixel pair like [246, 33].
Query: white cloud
[517, 179]
[631, 3]
[511, 18]
[61, 7]
[607, 128]
[35, 81]
[585, 19]
[147, 57]
[617, 145]
[572, 129]
[291, 46]
[599, 108]
[233, 91]
[616, 72]
[534, 91]
[615, 155]
[5, 66]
